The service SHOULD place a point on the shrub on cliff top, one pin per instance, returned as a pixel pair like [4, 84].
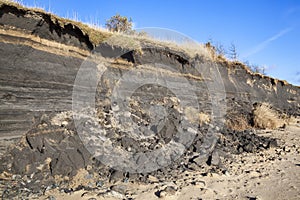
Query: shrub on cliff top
[119, 23]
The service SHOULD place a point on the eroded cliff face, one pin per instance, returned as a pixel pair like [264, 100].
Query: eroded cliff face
[39, 60]
[44, 25]
[40, 57]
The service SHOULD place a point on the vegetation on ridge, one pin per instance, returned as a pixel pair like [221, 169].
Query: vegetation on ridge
[119, 33]
[118, 23]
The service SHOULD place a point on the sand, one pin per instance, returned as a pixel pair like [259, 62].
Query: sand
[270, 174]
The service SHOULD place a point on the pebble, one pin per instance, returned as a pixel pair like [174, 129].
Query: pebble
[116, 176]
[162, 194]
[254, 174]
[122, 189]
[89, 167]
[51, 197]
[168, 191]
[200, 184]
[15, 177]
[287, 149]
[115, 194]
[215, 158]
[226, 173]
[64, 123]
[67, 190]
[99, 183]
[199, 160]
[153, 179]
[89, 176]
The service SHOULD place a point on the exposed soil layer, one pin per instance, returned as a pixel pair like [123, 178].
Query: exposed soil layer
[38, 81]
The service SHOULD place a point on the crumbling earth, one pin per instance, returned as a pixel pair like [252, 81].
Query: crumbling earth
[51, 159]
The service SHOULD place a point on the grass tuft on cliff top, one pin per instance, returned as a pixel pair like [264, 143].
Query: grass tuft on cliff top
[98, 35]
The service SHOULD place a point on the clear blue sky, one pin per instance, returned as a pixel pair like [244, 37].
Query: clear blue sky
[266, 32]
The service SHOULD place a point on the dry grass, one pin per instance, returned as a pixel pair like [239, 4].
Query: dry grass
[238, 122]
[80, 178]
[191, 49]
[203, 118]
[138, 42]
[265, 117]
[124, 41]
[98, 35]
[194, 116]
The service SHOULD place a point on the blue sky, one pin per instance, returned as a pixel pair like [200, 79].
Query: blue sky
[265, 32]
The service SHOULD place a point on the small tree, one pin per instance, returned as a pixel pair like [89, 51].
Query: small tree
[257, 69]
[220, 50]
[217, 47]
[233, 52]
[119, 23]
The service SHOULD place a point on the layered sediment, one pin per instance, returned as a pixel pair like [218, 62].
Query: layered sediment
[40, 56]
